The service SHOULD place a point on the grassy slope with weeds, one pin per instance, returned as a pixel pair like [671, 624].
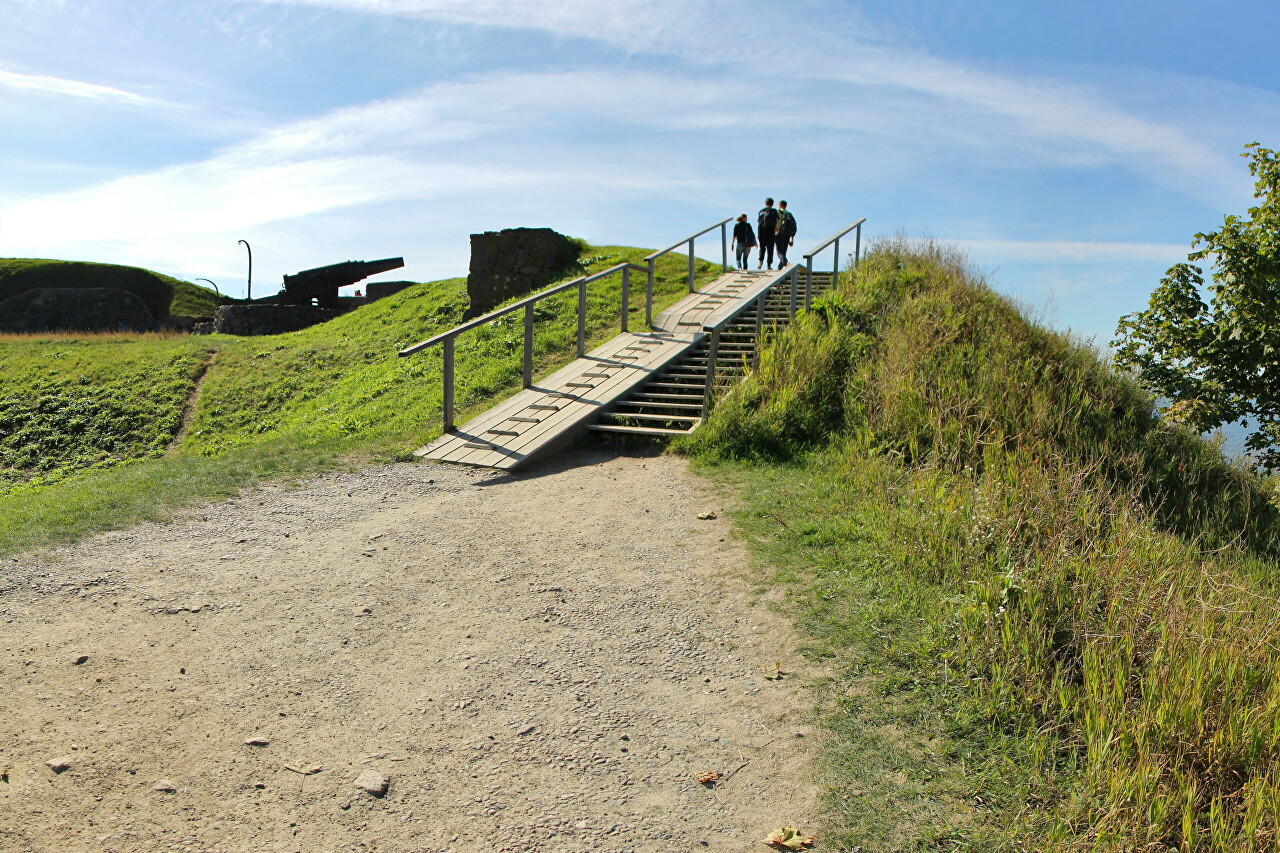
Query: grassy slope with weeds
[268, 406]
[1054, 619]
[69, 405]
[163, 295]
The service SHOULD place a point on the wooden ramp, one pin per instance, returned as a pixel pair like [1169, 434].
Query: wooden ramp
[553, 411]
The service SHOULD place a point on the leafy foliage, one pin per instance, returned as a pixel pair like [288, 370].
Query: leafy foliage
[1219, 362]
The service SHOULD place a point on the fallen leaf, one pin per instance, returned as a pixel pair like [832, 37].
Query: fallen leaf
[709, 778]
[305, 770]
[706, 516]
[774, 673]
[789, 838]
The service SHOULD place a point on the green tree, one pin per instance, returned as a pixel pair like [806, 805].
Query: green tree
[1219, 362]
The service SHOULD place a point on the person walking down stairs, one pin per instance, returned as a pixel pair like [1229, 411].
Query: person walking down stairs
[766, 228]
[744, 239]
[786, 233]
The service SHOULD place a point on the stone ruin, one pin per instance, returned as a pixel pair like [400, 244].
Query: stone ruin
[513, 262]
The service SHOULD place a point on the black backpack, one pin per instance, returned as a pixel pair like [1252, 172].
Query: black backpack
[767, 222]
[786, 224]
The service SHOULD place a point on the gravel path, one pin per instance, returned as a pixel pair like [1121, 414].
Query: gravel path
[543, 661]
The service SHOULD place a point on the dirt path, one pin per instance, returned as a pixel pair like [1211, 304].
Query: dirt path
[536, 662]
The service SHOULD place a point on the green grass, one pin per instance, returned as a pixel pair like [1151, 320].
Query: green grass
[163, 295]
[1053, 621]
[70, 405]
[268, 406]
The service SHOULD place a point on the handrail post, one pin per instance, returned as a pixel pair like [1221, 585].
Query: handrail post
[793, 295]
[724, 247]
[808, 272]
[648, 295]
[808, 290]
[755, 351]
[712, 354]
[857, 245]
[527, 372]
[626, 295]
[448, 385]
[582, 319]
[835, 266]
[691, 239]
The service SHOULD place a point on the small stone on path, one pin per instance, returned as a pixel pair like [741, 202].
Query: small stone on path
[257, 741]
[57, 765]
[373, 782]
[164, 786]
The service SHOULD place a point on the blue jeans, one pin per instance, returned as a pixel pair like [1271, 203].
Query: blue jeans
[744, 256]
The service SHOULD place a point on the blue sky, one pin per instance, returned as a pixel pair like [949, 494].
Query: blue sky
[1071, 148]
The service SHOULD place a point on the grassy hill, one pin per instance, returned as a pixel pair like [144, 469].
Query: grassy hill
[163, 295]
[1053, 621]
[92, 426]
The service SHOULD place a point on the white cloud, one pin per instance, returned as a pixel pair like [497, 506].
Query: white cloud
[1062, 123]
[70, 88]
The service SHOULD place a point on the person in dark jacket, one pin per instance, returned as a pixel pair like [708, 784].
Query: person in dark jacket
[766, 229]
[785, 235]
[744, 239]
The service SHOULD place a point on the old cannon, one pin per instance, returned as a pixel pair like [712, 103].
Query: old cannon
[320, 285]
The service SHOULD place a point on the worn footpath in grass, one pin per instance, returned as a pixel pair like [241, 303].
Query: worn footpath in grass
[1054, 622]
[268, 406]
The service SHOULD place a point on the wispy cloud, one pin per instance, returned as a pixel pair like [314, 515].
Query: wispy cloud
[62, 87]
[1049, 119]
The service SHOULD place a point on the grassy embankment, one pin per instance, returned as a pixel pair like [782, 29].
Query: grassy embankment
[281, 405]
[1052, 621]
[163, 295]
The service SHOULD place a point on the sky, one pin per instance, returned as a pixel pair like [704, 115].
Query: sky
[1072, 149]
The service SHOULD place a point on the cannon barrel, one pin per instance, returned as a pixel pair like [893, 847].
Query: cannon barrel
[320, 285]
[347, 272]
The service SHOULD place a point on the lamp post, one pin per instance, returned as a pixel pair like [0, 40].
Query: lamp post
[248, 292]
[215, 287]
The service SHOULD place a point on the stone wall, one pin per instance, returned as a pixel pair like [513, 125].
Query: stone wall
[376, 290]
[48, 309]
[513, 262]
[269, 319]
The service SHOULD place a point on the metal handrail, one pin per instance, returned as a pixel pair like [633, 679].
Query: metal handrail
[835, 266]
[652, 259]
[791, 271]
[446, 338]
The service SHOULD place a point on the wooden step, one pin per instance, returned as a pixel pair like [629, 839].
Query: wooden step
[638, 430]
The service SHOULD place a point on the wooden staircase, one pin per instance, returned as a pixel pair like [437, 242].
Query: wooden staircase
[674, 401]
[657, 382]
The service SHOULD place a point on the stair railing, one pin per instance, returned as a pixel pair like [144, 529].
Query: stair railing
[835, 265]
[790, 274]
[446, 339]
[723, 225]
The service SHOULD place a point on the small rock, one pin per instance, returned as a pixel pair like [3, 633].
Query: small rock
[526, 730]
[707, 516]
[257, 741]
[58, 765]
[164, 786]
[372, 782]
[81, 659]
